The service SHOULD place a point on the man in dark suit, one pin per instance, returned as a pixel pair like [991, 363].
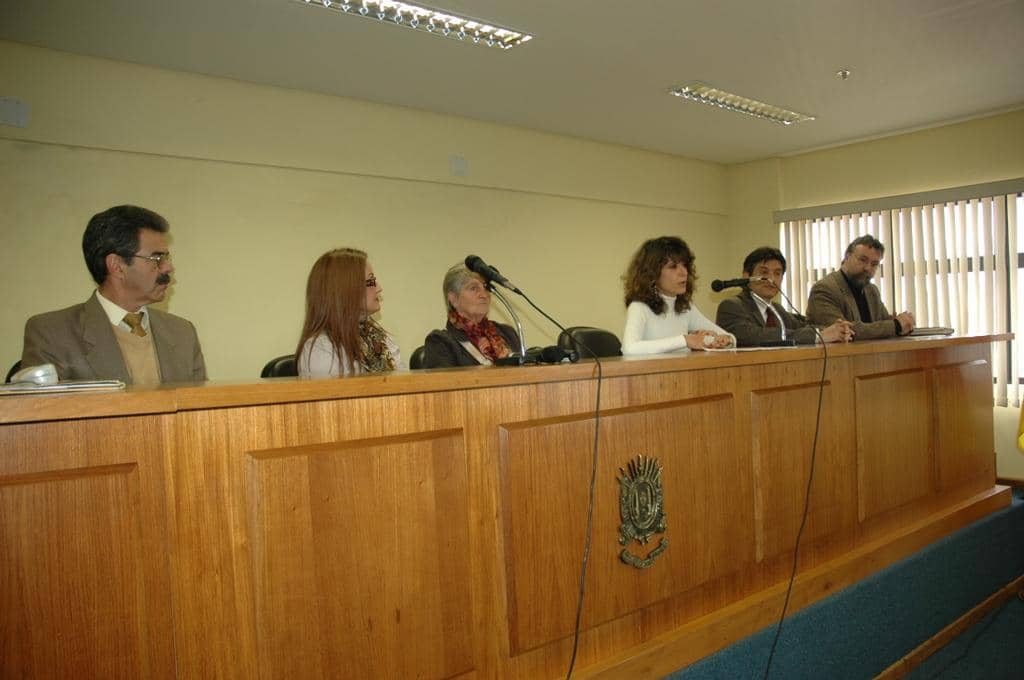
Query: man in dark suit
[848, 293]
[754, 319]
[115, 334]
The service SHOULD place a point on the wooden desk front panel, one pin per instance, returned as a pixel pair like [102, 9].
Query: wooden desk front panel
[324, 539]
[439, 534]
[924, 433]
[84, 582]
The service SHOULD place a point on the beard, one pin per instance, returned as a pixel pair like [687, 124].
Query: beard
[163, 279]
[858, 281]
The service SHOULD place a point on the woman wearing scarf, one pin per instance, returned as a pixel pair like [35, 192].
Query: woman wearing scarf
[469, 338]
[339, 337]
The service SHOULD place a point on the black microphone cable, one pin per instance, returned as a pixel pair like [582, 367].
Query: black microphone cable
[807, 494]
[593, 483]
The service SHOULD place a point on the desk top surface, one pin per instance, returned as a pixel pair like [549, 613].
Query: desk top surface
[170, 398]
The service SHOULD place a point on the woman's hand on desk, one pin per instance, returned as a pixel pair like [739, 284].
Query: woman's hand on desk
[701, 340]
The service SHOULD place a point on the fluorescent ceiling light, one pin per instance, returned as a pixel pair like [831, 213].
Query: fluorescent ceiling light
[712, 96]
[434, 21]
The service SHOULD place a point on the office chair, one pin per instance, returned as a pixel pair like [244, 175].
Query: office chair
[14, 369]
[416, 359]
[282, 366]
[599, 341]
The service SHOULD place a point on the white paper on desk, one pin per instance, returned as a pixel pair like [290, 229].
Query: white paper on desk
[63, 387]
[747, 349]
[933, 330]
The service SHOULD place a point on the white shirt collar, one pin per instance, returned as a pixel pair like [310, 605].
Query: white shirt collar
[116, 313]
[761, 306]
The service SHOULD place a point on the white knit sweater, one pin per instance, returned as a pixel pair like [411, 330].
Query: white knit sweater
[650, 333]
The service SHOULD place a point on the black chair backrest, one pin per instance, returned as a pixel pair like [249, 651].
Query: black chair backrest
[598, 341]
[14, 369]
[416, 360]
[282, 366]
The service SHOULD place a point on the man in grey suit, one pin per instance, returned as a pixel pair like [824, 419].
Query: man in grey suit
[115, 334]
[848, 293]
[754, 319]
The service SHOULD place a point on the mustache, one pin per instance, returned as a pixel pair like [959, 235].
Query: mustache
[163, 279]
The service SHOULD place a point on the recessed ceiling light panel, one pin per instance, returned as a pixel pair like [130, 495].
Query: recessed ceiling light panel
[437, 22]
[712, 96]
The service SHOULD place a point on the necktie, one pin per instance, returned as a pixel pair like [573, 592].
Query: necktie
[770, 320]
[134, 319]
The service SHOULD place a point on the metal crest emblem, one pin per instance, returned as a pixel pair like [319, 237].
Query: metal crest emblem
[642, 507]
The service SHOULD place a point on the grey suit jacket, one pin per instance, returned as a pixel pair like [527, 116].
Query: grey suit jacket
[740, 316]
[80, 342]
[831, 299]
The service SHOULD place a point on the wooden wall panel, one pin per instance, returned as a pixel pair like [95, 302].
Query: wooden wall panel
[84, 586]
[896, 463]
[783, 423]
[218, 575]
[359, 557]
[546, 470]
[964, 444]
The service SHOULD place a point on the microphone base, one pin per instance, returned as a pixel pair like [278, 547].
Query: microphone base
[515, 360]
[778, 343]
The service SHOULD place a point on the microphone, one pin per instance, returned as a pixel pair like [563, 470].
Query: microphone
[718, 284]
[489, 273]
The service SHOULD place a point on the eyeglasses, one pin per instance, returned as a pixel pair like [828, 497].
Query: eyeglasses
[159, 258]
[372, 281]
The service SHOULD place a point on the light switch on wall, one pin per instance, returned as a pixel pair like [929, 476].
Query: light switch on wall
[458, 166]
[13, 112]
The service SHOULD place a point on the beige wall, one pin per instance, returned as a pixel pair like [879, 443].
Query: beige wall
[1009, 458]
[258, 181]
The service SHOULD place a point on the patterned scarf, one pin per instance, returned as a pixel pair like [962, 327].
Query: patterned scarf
[373, 342]
[484, 335]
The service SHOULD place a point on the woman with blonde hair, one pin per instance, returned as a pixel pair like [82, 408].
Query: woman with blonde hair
[339, 336]
[660, 314]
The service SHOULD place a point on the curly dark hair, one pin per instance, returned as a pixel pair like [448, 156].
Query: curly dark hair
[641, 278]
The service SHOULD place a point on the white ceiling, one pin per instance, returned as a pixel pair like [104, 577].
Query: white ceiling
[593, 71]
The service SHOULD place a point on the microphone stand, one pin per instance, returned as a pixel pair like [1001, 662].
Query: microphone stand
[768, 304]
[513, 359]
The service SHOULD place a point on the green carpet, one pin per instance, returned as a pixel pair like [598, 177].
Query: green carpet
[863, 629]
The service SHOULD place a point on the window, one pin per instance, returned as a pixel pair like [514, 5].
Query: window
[957, 263]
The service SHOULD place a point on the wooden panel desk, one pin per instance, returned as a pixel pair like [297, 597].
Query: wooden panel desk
[431, 524]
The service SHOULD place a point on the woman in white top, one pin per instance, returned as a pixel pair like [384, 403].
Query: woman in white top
[339, 337]
[660, 316]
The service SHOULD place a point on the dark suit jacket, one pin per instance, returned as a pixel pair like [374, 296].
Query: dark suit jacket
[443, 348]
[740, 316]
[80, 342]
[831, 299]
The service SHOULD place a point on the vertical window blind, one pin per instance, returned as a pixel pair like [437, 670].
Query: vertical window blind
[954, 263]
